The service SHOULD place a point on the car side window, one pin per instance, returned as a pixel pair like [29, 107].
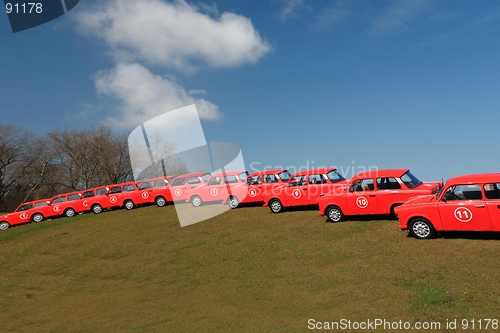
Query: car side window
[230, 179]
[128, 188]
[179, 182]
[388, 183]
[88, 194]
[254, 180]
[492, 191]
[25, 207]
[41, 204]
[193, 180]
[316, 179]
[214, 181]
[298, 181]
[270, 179]
[73, 197]
[362, 185]
[464, 192]
[116, 189]
[284, 176]
[58, 200]
[160, 183]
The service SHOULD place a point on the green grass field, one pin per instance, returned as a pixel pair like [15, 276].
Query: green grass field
[247, 270]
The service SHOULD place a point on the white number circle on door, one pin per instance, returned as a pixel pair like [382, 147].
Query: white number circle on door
[252, 192]
[362, 202]
[296, 194]
[24, 216]
[113, 199]
[85, 203]
[56, 208]
[463, 214]
[145, 195]
[214, 192]
[178, 192]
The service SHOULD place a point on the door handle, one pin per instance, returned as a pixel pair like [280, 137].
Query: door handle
[371, 195]
[304, 188]
[479, 206]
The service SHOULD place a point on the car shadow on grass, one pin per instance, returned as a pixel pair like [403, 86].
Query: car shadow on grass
[365, 218]
[481, 235]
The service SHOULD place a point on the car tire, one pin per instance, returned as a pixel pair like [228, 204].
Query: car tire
[276, 206]
[196, 201]
[233, 202]
[4, 225]
[160, 201]
[70, 212]
[37, 217]
[334, 214]
[128, 204]
[393, 213]
[97, 208]
[422, 229]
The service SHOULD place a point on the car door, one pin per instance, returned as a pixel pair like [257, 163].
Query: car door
[297, 191]
[463, 208]
[362, 198]
[492, 201]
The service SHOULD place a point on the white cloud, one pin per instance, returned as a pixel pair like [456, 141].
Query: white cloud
[290, 8]
[144, 95]
[333, 15]
[397, 16]
[172, 34]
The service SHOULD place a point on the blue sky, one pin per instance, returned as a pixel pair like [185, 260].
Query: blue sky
[351, 84]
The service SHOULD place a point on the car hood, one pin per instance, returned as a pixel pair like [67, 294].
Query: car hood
[433, 187]
[420, 200]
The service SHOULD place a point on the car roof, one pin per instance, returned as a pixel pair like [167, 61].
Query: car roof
[66, 194]
[126, 183]
[475, 178]
[266, 172]
[229, 173]
[314, 171]
[384, 173]
[194, 174]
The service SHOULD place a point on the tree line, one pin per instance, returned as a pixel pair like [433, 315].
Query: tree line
[36, 167]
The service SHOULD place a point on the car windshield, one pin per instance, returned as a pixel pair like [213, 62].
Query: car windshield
[410, 180]
[284, 176]
[334, 176]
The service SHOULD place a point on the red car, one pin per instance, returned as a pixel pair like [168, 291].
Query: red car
[66, 204]
[155, 190]
[261, 181]
[465, 203]
[304, 188]
[226, 187]
[122, 195]
[94, 199]
[374, 192]
[23, 214]
[182, 184]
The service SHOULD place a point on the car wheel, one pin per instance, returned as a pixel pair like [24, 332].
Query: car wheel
[393, 213]
[422, 229]
[129, 204]
[160, 201]
[4, 225]
[335, 214]
[37, 217]
[196, 201]
[233, 202]
[97, 208]
[70, 212]
[275, 206]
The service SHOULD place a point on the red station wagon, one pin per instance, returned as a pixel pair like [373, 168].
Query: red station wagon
[304, 188]
[374, 192]
[182, 184]
[466, 203]
[261, 181]
[66, 204]
[22, 214]
[94, 199]
[227, 187]
[122, 195]
[155, 190]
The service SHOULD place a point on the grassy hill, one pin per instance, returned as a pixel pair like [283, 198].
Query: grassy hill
[244, 271]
